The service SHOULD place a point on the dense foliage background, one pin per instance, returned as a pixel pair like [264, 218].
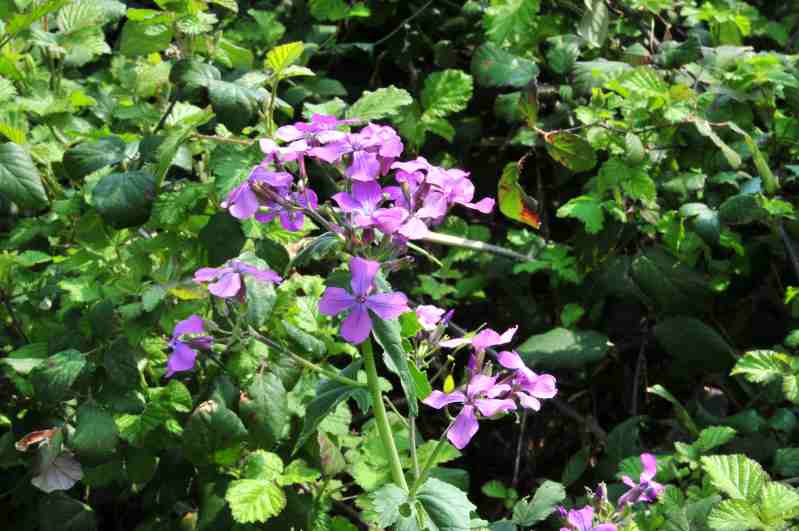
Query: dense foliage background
[643, 153]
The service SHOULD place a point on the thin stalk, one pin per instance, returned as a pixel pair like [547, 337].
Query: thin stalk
[307, 364]
[412, 436]
[431, 459]
[383, 427]
[455, 241]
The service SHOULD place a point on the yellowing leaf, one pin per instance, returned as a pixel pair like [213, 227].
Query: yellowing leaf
[188, 293]
[282, 56]
[513, 201]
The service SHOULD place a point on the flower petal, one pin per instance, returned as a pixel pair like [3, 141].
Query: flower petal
[510, 360]
[228, 285]
[429, 316]
[263, 275]
[191, 325]
[606, 527]
[357, 325]
[456, 342]
[181, 359]
[414, 229]
[582, 519]
[479, 384]
[529, 402]
[485, 205]
[491, 406]
[363, 273]
[364, 167]
[206, 274]
[346, 202]
[540, 386]
[464, 428]
[335, 301]
[437, 399]
[242, 202]
[650, 466]
[388, 305]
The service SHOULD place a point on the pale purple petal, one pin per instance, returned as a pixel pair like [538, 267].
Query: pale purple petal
[364, 167]
[390, 219]
[456, 342]
[292, 221]
[412, 165]
[541, 386]
[510, 360]
[363, 274]
[485, 205]
[181, 359]
[276, 179]
[357, 325]
[369, 194]
[414, 229]
[228, 285]
[497, 390]
[489, 338]
[650, 466]
[429, 316]
[529, 402]
[627, 480]
[207, 274]
[264, 275]
[268, 147]
[480, 383]
[307, 198]
[330, 153]
[606, 527]
[582, 519]
[335, 301]
[191, 325]
[491, 406]
[346, 202]
[241, 202]
[388, 305]
[437, 399]
[464, 428]
[287, 133]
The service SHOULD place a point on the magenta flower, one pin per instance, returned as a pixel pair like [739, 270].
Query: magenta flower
[242, 202]
[372, 151]
[481, 395]
[320, 125]
[429, 316]
[453, 187]
[184, 351]
[227, 281]
[363, 205]
[646, 490]
[484, 339]
[289, 209]
[530, 388]
[583, 520]
[360, 300]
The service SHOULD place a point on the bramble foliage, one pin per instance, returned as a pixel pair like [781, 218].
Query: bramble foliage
[252, 276]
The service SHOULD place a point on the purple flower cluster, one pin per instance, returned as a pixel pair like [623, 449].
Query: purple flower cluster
[421, 197]
[491, 395]
[184, 349]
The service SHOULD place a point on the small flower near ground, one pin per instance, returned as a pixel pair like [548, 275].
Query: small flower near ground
[184, 350]
[227, 281]
[484, 339]
[583, 520]
[358, 324]
[529, 387]
[646, 490]
[481, 395]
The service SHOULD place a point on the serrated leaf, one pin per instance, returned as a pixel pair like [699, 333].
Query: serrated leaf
[96, 434]
[125, 199]
[282, 56]
[254, 500]
[143, 38]
[89, 157]
[763, 366]
[734, 515]
[587, 209]
[713, 437]
[778, 502]
[53, 379]
[494, 67]
[235, 106]
[264, 410]
[736, 475]
[19, 179]
[572, 151]
[446, 92]
[446, 506]
[381, 103]
[547, 497]
[594, 24]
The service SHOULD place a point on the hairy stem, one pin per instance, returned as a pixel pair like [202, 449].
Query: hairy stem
[455, 241]
[383, 427]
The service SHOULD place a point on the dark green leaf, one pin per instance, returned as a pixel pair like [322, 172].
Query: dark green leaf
[495, 67]
[264, 409]
[213, 434]
[19, 178]
[389, 337]
[125, 199]
[562, 348]
[89, 157]
[60, 512]
[222, 237]
[235, 106]
[547, 497]
[572, 151]
[141, 38]
[52, 379]
[95, 436]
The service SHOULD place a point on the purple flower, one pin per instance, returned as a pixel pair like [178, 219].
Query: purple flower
[372, 151]
[646, 490]
[319, 124]
[429, 316]
[242, 201]
[362, 204]
[527, 386]
[184, 352]
[583, 520]
[484, 339]
[481, 395]
[451, 187]
[360, 300]
[291, 217]
[227, 281]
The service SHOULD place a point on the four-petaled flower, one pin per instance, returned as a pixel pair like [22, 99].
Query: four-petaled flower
[526, 385]
[583, 520]
[358, 324]
[243, 203]
[646, 490]
[363, 205]
[429, 316]
[227, 281]
[184, 350]
[481, 394]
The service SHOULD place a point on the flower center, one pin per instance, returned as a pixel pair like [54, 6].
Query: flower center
[360, 299]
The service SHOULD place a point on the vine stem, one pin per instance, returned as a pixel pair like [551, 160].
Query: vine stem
[383, 427]
[456, 241]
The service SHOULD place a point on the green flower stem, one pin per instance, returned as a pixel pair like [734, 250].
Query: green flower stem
[455, 241]
[428, 465]
[307, 364]
[379, 409]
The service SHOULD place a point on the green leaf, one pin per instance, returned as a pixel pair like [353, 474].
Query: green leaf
[786, 462]
[382, 103]
[389, 337]
[261, 298]
[235, 106]
[316, 249]
[95, 436]
[692, 341]
[572, 151]
[681, 413]
[143, 38]
[706, 130]
[587, 209]
[284, 55]
[763, 366]
[704, 220]
[513, 200]
[576, 466]
[59, 511]
[19, 179]
[329, 394]
[494, 489]
[89, 157]
[547, 497]
[734, 515]
[446, 92]
[140, 464]
[264, 409]
[52, 379]
[510, 19]
[254, 500]
[741, 209]
[22, 21]
[222, 237]
[713, 437]
[263, 465]
[778, 502]
[192, 76]
[387, 503]
[332, 10]
[594, 24]
[125, 199]
[562, 348]
[213, 434]
[420, 381]
[494, 67]
[736, 475]
[446, 506]
[671, 286]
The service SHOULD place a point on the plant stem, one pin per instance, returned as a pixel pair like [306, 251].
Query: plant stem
[412, 437]
[383, 427]
[428, 465]
[456, 241]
